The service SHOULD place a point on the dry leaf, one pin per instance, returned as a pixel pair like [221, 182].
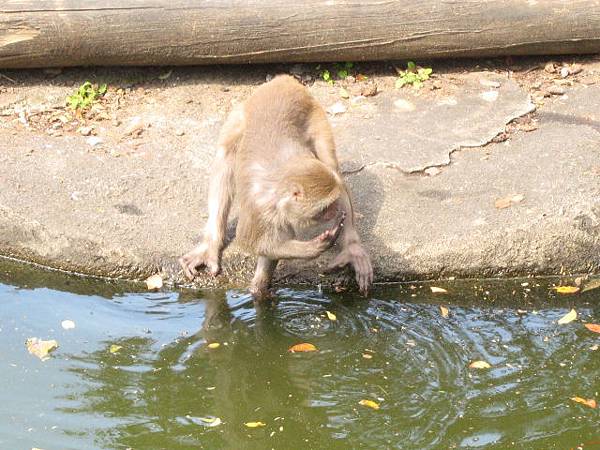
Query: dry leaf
[591, 402]
[479, 365]
[592, 327]
[331, 316]
[41, 348]
[569, 317]
[438, 290]
[505, 202]
[444, 311]
[255, 424]
[214, 345]
[367, 356]
[344, 93]
[593, 284]
[154, 282]
[369, 403]
[67, 324]
[304, 347]
[566, 289]
[115, 348]
[164, 76]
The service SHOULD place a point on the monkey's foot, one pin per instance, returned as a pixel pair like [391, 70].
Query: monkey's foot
[262, 293]
[197, 259]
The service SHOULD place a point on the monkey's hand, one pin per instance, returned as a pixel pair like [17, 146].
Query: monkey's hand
[354, 254]
[326, 239]
[200, 257]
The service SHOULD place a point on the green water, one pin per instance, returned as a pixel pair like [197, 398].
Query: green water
[154, 392]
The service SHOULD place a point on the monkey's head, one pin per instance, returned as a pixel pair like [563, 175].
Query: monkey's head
[311, 191]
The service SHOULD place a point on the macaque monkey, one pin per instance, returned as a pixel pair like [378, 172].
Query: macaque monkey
[276, 154]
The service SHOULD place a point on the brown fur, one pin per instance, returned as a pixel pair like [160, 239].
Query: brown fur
[277, 153]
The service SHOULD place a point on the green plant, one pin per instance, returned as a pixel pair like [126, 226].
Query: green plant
[85, 95]
[413, 75]
[341, 70]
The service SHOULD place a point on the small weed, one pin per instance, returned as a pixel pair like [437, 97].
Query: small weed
[342, 71]
[85, 95]
[413, 75]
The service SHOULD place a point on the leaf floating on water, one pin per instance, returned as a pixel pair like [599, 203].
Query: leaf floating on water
[210, 421]
[569, 317]
[41, 348]
[444, 311]
[479, 365]
[154, 282]
[369, 404]
[566, 289]
[214, 345]
[587, 402]
[593, 284]
[67, 324]
[331, 316]
[115, 348]
[304, 347]
[592, 327]
[438, 290]
[255, 424]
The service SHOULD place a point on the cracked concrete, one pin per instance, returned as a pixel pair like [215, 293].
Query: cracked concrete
[130, 205]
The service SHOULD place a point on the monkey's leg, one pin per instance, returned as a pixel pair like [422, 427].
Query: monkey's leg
[220, 195]
[352, 250]
[261, 283]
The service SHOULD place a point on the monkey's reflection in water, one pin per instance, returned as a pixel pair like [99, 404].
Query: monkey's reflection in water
[251, 377]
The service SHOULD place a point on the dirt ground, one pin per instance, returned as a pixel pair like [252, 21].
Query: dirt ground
[119, 190]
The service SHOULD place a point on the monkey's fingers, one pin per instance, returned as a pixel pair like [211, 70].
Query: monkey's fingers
[188, 270]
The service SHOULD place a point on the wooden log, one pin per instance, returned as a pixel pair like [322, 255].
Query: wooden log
[45, 33]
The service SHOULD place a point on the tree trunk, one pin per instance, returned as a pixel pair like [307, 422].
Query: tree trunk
[45, 33]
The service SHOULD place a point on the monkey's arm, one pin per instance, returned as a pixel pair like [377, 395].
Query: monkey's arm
[353, 251]
[296, 249]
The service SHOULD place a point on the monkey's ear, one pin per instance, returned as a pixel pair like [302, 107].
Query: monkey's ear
[296, 192]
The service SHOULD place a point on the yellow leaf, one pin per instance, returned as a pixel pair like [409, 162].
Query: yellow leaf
[331, 316]
[304, 347]
[154, 282]
[479, 365]
[344, 93]
[593, 327]
[369, 404]
[438, 290]
[444, 311]
[255, 424]
[591, 402]
[566, 289]
[115, 348]
[569, 317]
[214, 345]
[41, 348]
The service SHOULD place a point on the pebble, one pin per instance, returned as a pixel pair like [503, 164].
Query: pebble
[564, 72]
[556, 90]
[337, 108]
[85, 131]
[94, 140]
